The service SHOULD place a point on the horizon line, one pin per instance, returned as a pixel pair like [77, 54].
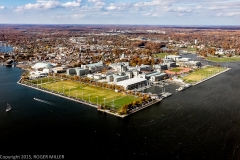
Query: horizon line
[180, 25]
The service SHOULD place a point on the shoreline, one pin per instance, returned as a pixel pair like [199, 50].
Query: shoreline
[92, 105]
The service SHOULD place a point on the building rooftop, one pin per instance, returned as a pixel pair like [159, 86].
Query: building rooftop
[130, 81]
[152, 74]
[42, 65]
[94, 64]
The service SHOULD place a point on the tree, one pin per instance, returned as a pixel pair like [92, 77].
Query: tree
[124, 109]
[134, 103]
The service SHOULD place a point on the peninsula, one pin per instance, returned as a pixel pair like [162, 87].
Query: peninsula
[110, 67]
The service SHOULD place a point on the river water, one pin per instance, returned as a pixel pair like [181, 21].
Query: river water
[5, 48]
[202, 122]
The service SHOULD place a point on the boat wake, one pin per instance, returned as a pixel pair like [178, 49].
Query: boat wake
[43, 101]
[49, 109]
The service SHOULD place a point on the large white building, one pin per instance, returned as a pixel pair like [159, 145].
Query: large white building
[38, 74]
[132, 83]
[42, 66]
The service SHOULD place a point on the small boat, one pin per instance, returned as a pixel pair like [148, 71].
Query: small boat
[8, 107]
[180, 88]
[183, 87]
[165, 95]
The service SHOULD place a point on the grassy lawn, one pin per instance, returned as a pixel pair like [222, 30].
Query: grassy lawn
[120, 101]
[176, 70]
[191, 49]
[88, 93]
[201, 74]
[223, 59]
[43, 80]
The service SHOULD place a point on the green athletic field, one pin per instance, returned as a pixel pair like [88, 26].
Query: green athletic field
[92, 94]
[223, 59]
[201, 74]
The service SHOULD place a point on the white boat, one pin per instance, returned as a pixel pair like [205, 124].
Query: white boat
[180, 88]
[8, 107]
[188, 85]
[183, 87]
[165, 94]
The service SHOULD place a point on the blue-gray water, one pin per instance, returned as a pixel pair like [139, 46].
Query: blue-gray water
[5, 48]
[202, 122]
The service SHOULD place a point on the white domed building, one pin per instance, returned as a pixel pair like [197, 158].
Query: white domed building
[42, 65]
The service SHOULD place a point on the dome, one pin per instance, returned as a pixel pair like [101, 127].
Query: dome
[42, 65]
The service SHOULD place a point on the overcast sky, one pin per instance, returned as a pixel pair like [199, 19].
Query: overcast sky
[147, 12]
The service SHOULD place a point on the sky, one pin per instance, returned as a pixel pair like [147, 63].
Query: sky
[132, 12]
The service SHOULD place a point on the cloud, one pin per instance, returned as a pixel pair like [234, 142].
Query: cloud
[41, 4]
[59, 16]
[229, 14]
[181, 9]
[187, 8]
[111, 7]
[2, 7]
[97, 3]
[94, 1]
[147, 10]
[120, 7]
[71, 4]
[217, 7]
[154, 3]
[77, 16]
[47, 4]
